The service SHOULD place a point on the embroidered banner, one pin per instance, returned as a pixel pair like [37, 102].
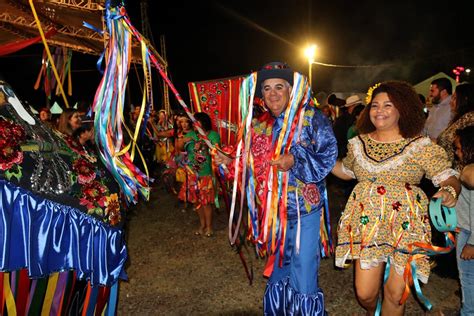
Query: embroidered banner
[220, 100]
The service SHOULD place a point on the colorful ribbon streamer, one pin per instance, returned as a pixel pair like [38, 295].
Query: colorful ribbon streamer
[108, 106]
[267, 217]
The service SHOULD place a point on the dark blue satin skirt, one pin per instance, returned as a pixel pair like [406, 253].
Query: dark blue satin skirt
[44, 237]
[293, 288]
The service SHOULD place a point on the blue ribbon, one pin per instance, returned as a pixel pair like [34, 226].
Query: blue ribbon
[101, 32]
[444, 219]
[92, 27]
[112, 304]
[420, 296]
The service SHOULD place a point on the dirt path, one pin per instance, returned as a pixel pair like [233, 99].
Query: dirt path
[173, 272]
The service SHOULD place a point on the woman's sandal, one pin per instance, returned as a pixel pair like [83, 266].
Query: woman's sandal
[198, 232]
[209, 233]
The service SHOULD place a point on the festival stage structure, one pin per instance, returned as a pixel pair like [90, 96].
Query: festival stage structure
[65, 19]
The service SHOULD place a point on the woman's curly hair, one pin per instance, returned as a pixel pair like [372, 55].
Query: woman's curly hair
[466, 138]
[464, 100]
[406, 100]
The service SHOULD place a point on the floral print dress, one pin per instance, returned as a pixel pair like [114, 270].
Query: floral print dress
[447, 137]
[387, 212]
[198, 186]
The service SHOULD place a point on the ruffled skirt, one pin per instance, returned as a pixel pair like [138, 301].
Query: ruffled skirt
[197, 190]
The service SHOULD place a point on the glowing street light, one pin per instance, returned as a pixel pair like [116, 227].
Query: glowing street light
[459, 70]
[310, 52]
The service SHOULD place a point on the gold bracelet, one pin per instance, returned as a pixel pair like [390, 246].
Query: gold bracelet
[450, 189]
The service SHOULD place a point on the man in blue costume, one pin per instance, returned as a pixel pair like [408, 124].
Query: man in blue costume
[304, 155]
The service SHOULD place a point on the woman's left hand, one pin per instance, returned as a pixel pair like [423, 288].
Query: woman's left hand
[447, 199]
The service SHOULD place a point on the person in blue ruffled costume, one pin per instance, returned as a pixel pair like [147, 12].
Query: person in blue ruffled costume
[308, 153]
[61, 218]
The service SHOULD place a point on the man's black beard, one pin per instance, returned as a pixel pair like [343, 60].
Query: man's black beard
[436, 100]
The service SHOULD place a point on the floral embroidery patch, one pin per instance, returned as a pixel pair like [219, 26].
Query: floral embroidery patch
[262, 127]
[94, 196]
[311, 193]
[11, 137]
[308, 115]
[85, 171]
[261, 151]
[112, 209]
[93, 192]
[260, 146]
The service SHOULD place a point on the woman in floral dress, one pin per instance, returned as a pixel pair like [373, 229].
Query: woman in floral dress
[198, 187]
[387, 212]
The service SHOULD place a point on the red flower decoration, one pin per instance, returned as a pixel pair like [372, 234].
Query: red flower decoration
[85, 171]
[311, 193]
[200, 158]
[260, 145]
[381, 190]
[112, 210]
[396, 206]
[11, 137]
[114, 218]
[407, 186]
[93, 195]
[261, 149]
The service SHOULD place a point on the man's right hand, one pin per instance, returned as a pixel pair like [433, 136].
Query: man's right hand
[221, 159]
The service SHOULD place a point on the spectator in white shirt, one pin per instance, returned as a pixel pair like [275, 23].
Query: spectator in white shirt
[440, 113]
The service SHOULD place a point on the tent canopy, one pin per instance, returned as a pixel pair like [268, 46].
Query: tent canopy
[423, 87]
[17, 23]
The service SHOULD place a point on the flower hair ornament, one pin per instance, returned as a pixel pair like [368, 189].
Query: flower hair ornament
[368, 98]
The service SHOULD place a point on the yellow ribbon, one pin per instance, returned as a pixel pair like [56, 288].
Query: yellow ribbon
[48, 299]
[11, 307]
[69, 79]
[142, 112]
[50, 58]
[127, 148]
[196, 98]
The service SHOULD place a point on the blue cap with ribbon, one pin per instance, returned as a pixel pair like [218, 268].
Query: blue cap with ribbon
[273, 70]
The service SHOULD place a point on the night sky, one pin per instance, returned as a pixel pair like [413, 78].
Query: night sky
[408, 40]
